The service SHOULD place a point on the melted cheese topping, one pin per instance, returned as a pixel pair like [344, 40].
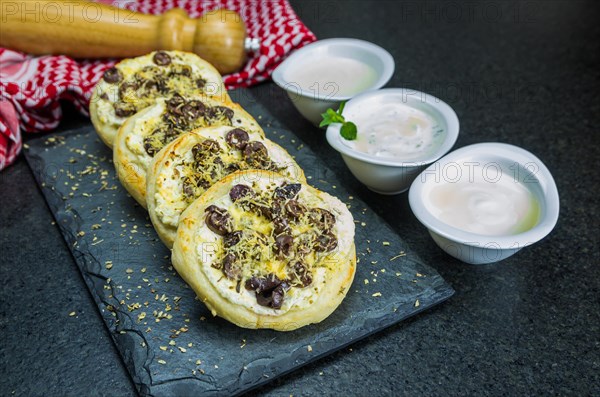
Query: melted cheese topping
[129, 67]
[135, 142]
[152, 119]
[209, 249]
[170, 201]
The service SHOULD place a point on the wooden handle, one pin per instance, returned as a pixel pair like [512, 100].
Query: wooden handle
[83, 29]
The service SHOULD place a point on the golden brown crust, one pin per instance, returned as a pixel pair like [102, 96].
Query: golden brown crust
[164, 165]
[340, 266]
[131, 174]
[130, 159]
[105, 131]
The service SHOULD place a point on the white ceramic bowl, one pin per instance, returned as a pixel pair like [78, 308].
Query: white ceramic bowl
[312, 103]
[521, 166]
[386, 175]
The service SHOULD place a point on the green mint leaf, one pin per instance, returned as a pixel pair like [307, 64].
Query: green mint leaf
[330, 117]
[331, 113]
[326, 120]
[338, 119]
[348, 131]
[335, 117]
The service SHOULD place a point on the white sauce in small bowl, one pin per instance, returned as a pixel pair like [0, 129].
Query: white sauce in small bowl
[331, 76]
[490, 207]
[396, 130]
[484, 202]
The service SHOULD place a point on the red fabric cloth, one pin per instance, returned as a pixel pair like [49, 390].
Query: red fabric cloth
[31, 87]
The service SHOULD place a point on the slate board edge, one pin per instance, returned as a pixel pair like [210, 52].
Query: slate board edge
[442, 296]
[442, 293]
[59, 215]
[143, 384]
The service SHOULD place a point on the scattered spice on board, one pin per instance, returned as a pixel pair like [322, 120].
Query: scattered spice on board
[126, 224]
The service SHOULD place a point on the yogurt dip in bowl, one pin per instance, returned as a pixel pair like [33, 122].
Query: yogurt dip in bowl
[484, 202]
[400, 131]
[323, 74]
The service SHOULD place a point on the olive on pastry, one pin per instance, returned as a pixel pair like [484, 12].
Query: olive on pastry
[294, 273]
[136, 83]
[183, 170]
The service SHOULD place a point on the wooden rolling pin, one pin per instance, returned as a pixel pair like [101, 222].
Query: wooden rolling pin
[83, 29]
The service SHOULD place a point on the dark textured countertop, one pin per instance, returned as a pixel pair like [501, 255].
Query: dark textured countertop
[525, 73]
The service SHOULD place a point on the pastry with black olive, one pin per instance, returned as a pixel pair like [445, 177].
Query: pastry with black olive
[143, 135]
[134, 84]
[185, 168]
[264, 251]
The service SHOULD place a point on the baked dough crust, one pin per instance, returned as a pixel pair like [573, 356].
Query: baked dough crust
[105, 94]
[164, 188]
[131, 159]
[192, 259]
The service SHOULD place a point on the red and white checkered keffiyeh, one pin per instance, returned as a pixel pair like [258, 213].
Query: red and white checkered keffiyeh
[31, 87]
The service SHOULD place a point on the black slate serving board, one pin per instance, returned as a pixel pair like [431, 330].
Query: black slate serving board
[168, 340]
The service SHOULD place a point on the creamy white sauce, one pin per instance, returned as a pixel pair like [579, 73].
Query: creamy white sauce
[330, 76]
[491, 206]
[395, 130]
